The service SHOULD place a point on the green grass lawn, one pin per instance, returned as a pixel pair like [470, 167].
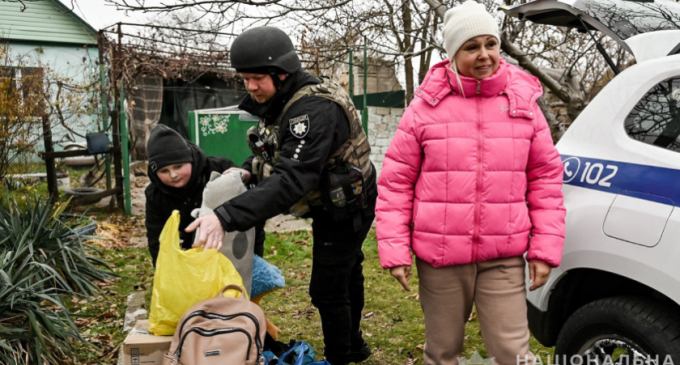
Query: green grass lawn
[392, 324]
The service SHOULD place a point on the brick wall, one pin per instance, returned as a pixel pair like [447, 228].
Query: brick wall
[382, 123]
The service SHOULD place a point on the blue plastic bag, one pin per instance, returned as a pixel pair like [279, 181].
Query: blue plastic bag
[302, 354]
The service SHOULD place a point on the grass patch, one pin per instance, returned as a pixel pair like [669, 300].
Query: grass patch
[29, 188]
[101, 319]
[393, 320]
[392, 324]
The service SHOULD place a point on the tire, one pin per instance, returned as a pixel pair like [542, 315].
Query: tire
[80, 192]
[78, 161]
[640, 327]
[83, 196]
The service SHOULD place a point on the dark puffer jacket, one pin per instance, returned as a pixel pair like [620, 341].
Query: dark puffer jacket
[161, 199]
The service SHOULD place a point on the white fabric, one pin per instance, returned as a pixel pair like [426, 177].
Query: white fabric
[236, 246]
[464, 22]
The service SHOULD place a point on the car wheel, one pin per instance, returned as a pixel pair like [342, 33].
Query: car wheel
[605, 330]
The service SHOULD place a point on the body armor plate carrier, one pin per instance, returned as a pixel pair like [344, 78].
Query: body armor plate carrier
[265, 143]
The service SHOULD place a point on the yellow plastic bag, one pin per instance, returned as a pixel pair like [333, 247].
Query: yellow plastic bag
[184, 278]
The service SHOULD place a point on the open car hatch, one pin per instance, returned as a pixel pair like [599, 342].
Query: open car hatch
[646, 28]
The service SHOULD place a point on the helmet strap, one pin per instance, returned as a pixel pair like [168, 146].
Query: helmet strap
[274, 74]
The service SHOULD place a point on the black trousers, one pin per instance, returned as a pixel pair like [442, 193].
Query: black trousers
[337, 283]
[260, 236]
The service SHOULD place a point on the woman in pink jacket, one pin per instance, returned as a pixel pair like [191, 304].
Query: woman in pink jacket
[471, 182]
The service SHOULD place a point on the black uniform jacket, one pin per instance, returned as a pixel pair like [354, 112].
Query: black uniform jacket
[303, 154]
[161, 199]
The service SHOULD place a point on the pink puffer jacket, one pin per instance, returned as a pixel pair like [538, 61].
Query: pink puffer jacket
[467, 180]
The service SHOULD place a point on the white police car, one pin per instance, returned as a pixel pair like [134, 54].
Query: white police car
[618, 289]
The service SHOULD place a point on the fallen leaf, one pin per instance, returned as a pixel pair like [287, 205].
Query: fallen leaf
[111, 354]
[82, 322]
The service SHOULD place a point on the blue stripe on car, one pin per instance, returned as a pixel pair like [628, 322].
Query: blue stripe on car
[657, 184]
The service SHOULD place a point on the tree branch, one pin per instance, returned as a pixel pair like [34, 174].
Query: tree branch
[524, 62]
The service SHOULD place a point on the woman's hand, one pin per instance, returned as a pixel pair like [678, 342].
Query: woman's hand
[538, 274]
[402, 274]
[211, 232]
[245, 174]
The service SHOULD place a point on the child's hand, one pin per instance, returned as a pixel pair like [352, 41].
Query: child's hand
[538, 274]
[402, 274]
[211, 232]
[245, 174]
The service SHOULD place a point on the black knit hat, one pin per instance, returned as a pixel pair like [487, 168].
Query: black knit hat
[166, 147]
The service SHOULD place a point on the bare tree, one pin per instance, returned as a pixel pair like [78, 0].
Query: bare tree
[398, 31]
[407, 32]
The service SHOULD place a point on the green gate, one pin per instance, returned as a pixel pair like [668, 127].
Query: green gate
[222, 132]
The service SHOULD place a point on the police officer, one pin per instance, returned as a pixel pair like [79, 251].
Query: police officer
[308, 126]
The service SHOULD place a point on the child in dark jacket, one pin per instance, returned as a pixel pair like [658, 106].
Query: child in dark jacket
[179, 171]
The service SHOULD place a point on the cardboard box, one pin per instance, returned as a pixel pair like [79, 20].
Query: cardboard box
[143, 348]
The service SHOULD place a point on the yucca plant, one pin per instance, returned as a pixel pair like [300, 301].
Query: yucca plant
[12, 183]
[34, 325]
[52, 242]
[42, 259]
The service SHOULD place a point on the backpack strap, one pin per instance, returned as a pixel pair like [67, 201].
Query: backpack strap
[234, 287]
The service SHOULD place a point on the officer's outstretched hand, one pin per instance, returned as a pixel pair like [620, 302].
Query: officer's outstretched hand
[210, 234]
[402, 274]
[245, 174]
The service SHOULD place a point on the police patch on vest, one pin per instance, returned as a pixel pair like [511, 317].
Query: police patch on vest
[299, 126]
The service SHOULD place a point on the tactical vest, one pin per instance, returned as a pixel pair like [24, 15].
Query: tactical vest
[356, 150]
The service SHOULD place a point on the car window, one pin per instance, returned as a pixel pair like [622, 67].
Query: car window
[655, 119]
[629, 18]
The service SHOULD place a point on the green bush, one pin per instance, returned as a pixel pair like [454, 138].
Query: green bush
[34, 325]
[53, 242]
[42, 258]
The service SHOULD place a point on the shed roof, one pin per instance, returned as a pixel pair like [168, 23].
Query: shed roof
[47, 21]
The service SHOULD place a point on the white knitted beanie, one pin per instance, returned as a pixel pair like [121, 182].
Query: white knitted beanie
[464, 22]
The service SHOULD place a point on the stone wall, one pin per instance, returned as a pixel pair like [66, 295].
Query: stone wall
[382, 123]
[380, 76]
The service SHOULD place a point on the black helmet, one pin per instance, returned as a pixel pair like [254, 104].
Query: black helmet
[260, 49]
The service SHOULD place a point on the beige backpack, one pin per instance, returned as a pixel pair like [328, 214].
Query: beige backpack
[219, 331]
